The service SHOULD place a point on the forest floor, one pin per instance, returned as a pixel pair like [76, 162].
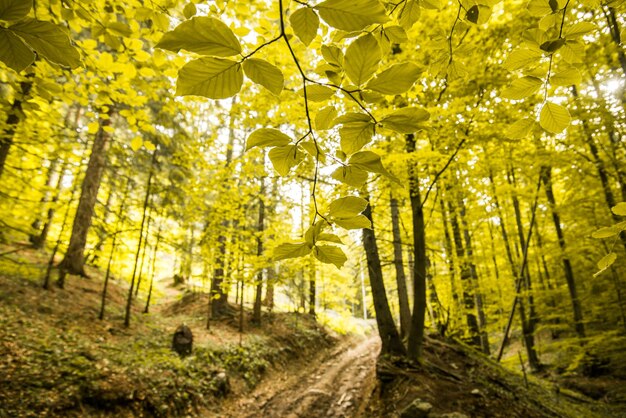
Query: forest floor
[58, 359]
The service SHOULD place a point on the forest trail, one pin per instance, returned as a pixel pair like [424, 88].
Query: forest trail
[338, 387]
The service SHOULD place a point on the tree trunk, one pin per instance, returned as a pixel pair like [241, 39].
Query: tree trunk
[528, 324]
[258, 297]
[34, 236]
[469, 298]
[546, 177]
[152, 270]
[129, 299]
[12, 122]
[74, 261]
[391, 342]
[469, 251]
[416, 334]
[454, 310]
[403, 296]
[120, 212]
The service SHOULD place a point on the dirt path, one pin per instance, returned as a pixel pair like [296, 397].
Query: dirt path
[336, 388]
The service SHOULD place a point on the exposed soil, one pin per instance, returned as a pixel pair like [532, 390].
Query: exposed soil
[338, 386]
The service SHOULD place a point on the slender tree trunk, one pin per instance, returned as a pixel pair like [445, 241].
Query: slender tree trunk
[102, 233]
[39, 240]
[454, 310]
[145, 247]
[152, 269]
[258, 296]
[391, 342]
[12, 122]
[129, 299]
[74, 260]
[403, 296]
[120, 213]
[528, 323]
[416, 334]
[469, 251]
[312, 287]
[546, 177]
[34, 236]
[469, 297]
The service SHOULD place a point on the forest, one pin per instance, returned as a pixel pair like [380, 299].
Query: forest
[313, 208]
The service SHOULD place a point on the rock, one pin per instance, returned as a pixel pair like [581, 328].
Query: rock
[182, 342]
[450, 415]
[417, 409]
[221, 383]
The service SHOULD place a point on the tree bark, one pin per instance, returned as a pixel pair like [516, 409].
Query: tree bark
[391, 342]
[403, 296]
[12, 122]
[546, 177]
[469, 298]
[74, 261]
[416, 334]
[469, 251]
[129, 299]
[528, 323]
[258, 296]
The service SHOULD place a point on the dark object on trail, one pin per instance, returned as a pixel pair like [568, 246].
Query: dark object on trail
[221, 383]
[183, 341]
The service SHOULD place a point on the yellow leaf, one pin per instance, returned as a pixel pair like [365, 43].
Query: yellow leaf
[136, 143]
[93, 127]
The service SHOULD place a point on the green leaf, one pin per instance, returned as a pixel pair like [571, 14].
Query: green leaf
[521, 58]
[351, 117]
[330, 254]
[362, 59]
[606, 232]
[396, 79]
[356, 222]
[520, 129]
[265, 74]
[409, 13]
[347, 207]
[579, 29]
[317, 93]
[552, 46]
[288, 250]
[333, 55]
[202, 35]
[568, 77]
[619, 209]
[355, 135]
[14, 9]
[406, 120]
[14, 52]
[522, 88]
[606, 262]
[573, 52]
[472, 14]
[554, 118]
[285, 158]
[189, 10]
[540, 8]
[396, 34]
[267, 137]
[330, 238]
[325, 118]
[314, 150]
[352, 176]
[370, 161]
[215, 78]
[305, 22]
[352, 15]
[311, 235]
[119, 29]
[48, 40]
